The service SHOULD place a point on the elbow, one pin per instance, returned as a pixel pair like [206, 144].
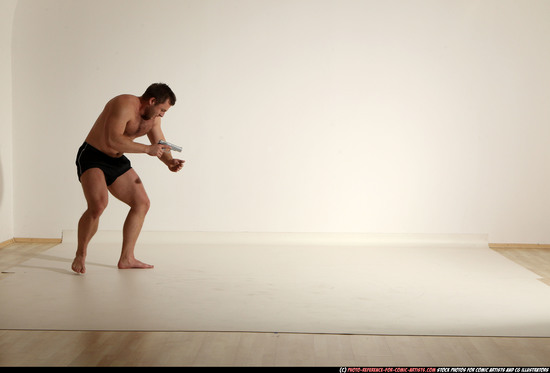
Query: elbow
[113, 142]
[110, 143]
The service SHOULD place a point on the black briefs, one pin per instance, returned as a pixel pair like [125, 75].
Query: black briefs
[89, 157]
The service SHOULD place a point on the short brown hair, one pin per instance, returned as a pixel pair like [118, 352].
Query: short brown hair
[160, 92]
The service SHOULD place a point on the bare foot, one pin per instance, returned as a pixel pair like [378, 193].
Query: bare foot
[132, 263]
[78, 264]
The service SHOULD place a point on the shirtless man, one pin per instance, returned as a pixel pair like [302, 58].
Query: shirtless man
[103, 168]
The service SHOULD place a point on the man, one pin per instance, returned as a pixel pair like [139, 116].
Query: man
[103, 168]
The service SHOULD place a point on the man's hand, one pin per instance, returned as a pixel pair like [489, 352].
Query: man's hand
[157, 150]
[175, 165]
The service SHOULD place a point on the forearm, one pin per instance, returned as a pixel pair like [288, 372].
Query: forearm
[124, 144]
[166, 157]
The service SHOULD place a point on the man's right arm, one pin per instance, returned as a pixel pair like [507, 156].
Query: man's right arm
[119, 114]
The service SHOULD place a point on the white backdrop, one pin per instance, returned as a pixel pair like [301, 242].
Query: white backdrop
[7, 10]
[421, 116]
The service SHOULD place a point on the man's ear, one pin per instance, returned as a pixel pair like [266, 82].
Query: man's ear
[152, 101]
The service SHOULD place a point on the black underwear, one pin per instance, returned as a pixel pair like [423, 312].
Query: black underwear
[89, 157]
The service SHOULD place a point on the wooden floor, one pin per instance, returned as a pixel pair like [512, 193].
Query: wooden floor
[105, 348]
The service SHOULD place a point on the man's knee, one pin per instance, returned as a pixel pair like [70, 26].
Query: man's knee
[145, 204]
[141, 203]
[97, 207]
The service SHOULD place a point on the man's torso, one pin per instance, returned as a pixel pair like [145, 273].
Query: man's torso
[135, 126]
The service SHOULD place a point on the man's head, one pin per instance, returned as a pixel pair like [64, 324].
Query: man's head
[158, 98]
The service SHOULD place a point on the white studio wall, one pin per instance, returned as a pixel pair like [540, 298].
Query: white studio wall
[365, 116]
[7, 10]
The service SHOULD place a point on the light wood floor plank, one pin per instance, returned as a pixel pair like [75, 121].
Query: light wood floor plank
[256, 349]
[536, 260]
[295, 350]
[17, 253]
[371, 350]
[329, 349]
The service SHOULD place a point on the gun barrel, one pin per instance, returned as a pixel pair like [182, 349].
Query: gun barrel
[172, 146]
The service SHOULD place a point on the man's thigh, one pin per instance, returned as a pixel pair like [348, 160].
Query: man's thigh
[129, 189]
[94, 187]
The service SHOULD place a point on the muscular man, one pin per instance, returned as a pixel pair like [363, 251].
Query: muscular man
[103, 168]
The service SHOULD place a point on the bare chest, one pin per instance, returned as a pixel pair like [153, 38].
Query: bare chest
[138, 128]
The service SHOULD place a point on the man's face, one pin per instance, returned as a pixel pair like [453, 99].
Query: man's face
[154, 110]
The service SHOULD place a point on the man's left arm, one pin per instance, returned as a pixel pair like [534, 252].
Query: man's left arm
[155, 135]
